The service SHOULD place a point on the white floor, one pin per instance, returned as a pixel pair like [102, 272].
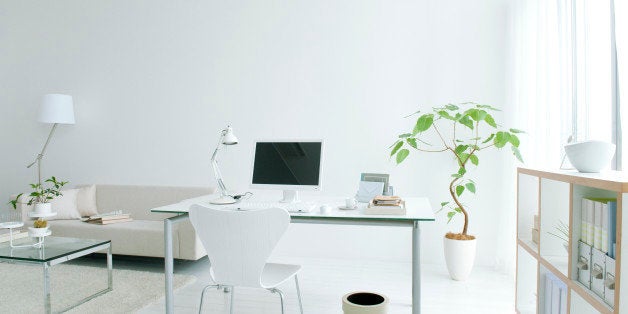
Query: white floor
[324, 282]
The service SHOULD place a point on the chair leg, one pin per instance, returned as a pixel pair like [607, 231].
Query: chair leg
[275, 290]
[231, 302]
[296, 281]
[200, 306]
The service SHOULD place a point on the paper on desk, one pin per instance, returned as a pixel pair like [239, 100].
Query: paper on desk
[368, 190]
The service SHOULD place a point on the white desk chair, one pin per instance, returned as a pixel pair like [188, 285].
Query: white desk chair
[238, 244]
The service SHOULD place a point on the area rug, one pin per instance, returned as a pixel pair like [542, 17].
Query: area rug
[21, 288]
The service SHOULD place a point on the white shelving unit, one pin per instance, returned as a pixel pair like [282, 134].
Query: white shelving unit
[555, 197]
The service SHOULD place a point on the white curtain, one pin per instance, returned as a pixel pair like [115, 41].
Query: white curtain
[542, 90]
[621, 36]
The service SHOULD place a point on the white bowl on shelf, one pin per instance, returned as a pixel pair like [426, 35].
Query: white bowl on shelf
[590, 156]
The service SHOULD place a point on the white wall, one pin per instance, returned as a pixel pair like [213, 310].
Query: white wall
[154, 82]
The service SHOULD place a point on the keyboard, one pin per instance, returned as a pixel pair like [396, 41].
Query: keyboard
[300, 207]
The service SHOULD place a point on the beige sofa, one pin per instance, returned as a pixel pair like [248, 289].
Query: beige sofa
[144, 236]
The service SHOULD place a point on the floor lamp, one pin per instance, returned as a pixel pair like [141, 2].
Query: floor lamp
[55, 109]
[226, 138]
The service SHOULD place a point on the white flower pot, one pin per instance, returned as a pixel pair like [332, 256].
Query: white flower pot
[460, 256]
[43, 208]
[364, 303]
[37, 232]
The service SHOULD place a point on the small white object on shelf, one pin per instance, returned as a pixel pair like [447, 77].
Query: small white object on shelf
[590, 156]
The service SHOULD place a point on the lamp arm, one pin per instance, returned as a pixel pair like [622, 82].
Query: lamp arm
[41, 154]
[217, 174]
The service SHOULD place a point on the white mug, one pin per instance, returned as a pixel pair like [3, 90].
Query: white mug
[350, 202]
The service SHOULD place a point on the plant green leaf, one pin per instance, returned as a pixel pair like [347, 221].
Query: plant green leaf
[501, 139]
[412, 142]
[470, 186]
[460, 148]
[456, 175]
[445, 115]
[452, 107]
[423, 123]
[516, 131]
[517, 153]
[462, 171]
[458, 210]
[474, 159]
[404, 135]
[466, 121]
[396, 148]
[488, 139]
[450, 215]
[443, 204]
[459, 190]
[490, 120]
[514, 140]
[402, 154]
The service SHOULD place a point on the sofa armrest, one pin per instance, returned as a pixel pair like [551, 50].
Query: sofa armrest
[190, 246]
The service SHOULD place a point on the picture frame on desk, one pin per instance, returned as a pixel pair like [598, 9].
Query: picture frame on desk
[376, 177]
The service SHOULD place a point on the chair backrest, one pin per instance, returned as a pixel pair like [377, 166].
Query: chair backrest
[238, 243]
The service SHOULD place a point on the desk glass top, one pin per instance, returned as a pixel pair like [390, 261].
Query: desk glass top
[53, 248]
[418, 209]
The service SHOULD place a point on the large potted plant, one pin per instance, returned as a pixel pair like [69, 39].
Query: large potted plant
[472, 129]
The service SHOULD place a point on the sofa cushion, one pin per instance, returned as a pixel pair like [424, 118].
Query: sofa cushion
[86, 200]
[65, 205]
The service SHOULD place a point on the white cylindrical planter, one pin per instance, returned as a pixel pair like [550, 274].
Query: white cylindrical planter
[43, 208]
[460, 256]
[364, 303]
[37, 232]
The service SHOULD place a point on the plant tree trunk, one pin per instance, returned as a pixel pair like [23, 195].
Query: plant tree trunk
[464, 212]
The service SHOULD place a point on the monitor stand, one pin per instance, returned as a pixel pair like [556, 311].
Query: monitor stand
[290, 196]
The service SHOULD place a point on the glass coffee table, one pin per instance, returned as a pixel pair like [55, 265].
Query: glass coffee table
[56, 250]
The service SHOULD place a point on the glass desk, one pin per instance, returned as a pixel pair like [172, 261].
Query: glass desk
[418, 210]
[56, 250]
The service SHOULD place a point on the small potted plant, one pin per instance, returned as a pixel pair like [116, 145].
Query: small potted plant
[471, 129]
[39, 228]
[41, 196]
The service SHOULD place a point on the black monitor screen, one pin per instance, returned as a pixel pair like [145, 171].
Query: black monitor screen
[287, 163]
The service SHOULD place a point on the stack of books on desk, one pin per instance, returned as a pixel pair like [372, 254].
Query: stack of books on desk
[386, 205]
[110, 218]
[17, 234]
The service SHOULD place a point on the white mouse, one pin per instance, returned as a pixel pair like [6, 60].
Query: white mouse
[325, 209]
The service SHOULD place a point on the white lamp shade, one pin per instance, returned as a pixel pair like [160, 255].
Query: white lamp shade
[229, 138]
[56, 108]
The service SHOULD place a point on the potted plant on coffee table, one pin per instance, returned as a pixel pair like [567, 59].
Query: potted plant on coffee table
[40, 198]
[472, 129]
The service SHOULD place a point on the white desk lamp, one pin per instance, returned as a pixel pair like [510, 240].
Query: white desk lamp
[226, 138]
[56, 109]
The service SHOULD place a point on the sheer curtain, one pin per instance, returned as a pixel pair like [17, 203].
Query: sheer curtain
[621, 36]
[543, 84]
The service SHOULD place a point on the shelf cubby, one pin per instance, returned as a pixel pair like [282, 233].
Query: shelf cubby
[526, 284]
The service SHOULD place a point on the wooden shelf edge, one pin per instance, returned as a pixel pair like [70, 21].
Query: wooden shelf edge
[604, 184]
[590, 297]
[549, 266]
[529, 249]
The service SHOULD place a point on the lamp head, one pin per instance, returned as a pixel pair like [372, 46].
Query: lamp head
[56, 108]
[228, 137]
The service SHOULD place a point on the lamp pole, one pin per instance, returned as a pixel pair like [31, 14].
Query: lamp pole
[41, 155]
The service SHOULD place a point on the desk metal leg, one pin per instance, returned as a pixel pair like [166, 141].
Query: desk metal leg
[110, 268]
[416, 269]
[47, 305]
[169, 260]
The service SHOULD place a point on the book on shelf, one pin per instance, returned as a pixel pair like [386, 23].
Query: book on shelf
[612, 227]
[597, 223]
[373, 209]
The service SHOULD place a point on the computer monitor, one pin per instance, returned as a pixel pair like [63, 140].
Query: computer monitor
[290, 166]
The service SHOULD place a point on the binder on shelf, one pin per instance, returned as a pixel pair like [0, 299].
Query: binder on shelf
[598, 260]
[548, 294]
[612, 227]
[590, 222]
[597, 223]
[584, 222]
[605, 222]
[609, 282]
[584, 264]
